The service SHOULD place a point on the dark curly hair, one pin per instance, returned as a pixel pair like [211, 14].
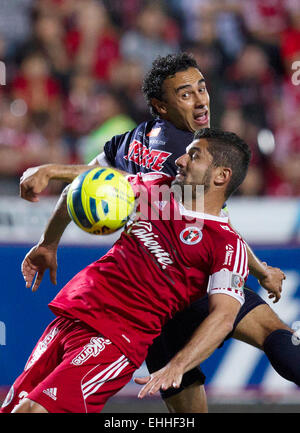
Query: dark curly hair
[227, 150]
[162, 68]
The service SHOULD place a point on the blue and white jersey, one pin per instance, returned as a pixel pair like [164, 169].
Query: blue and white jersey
[151, 146]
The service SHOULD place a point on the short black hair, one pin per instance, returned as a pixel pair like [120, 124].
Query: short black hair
[162, 68]
[227, 150]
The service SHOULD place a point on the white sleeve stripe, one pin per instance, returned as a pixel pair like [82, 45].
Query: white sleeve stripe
[237, 256]
[240, 271]
[246, 262]
[243, 267]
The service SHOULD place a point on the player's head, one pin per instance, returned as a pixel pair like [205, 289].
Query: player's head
[216, 159]
[175, 90]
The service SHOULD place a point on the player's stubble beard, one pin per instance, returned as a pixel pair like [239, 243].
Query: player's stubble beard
[186, 192]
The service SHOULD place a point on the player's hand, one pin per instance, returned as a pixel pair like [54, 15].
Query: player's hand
[168, 377]
[33, 181]
[272, 282]
[35, 263]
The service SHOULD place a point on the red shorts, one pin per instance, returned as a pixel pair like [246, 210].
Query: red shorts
[72, 369]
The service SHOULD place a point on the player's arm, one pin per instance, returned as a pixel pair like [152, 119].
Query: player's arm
[35, 179]
[270, 278]
[207, 337]
[43, 256]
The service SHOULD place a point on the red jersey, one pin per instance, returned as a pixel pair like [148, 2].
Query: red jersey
[162, 262]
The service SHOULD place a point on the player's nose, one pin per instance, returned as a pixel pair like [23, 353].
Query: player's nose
[201, 100]
[182, 161]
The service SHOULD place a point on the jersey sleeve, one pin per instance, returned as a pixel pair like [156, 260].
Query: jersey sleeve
[145, 181]
[111, 147]
[229, 270]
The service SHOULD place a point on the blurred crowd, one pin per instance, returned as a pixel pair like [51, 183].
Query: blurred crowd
[74, 69]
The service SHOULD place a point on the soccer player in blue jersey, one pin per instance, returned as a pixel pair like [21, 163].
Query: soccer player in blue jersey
[179, 101]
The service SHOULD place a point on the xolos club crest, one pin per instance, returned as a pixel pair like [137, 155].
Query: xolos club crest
[191, 235]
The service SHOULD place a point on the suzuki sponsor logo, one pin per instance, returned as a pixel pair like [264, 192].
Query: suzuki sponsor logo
[93, 348]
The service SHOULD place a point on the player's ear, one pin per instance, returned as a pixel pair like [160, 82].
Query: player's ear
[222, 176]
[160, 106]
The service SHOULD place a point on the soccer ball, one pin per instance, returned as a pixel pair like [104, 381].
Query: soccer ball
[100, 200]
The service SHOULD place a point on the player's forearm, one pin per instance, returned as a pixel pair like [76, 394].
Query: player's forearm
[66, 173]
[256, 267]
[208, 336]
[57, 223]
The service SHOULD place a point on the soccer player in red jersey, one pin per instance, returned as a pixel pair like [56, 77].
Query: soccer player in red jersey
[176, 92]
[109, 313]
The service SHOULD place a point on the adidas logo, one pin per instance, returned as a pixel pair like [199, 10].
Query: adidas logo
[51, 392]
[160, 204]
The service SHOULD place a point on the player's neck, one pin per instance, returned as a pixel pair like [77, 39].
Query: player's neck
[207, 204]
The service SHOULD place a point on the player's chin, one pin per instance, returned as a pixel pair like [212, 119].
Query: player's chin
[198, 125]
[178, 181]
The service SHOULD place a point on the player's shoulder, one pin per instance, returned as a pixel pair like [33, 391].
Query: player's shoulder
[136, 133]
[151, 178]
[176, 135]
[220, 230]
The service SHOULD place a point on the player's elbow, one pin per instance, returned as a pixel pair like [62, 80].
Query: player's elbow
[225, 322]
[228, 323]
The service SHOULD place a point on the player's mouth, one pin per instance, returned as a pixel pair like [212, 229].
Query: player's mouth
[180, 175]
[201, 118]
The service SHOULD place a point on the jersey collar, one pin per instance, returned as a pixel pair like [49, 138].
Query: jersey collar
[201, 215]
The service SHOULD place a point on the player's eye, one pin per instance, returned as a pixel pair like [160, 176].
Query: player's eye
[194, 155]
[185, 95]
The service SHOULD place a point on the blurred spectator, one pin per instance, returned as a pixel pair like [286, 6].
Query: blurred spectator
[49, 39]
[233, 120]
[36, 87]
[113, 121]
[252, 84]
[15, 23]
[148, 39]
[290, 37]
[92, 44]
[123, 13]
[126, 78]
[81, 107]
[23, 145]
[220, 18]
[265, 19]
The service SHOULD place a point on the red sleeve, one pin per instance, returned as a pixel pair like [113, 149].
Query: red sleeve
[147, 180]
